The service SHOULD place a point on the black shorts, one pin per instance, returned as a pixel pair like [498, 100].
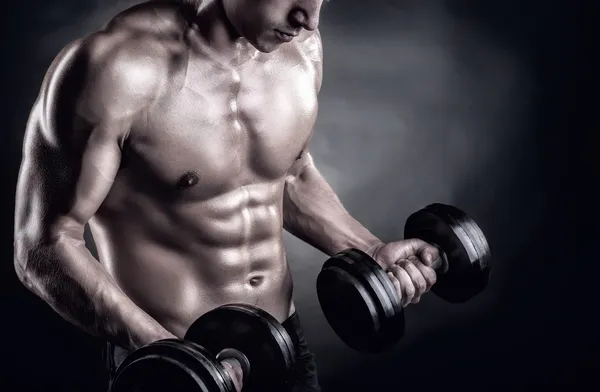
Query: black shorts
[305, 370]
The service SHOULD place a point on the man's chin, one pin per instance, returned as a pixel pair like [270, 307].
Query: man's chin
[268, 49]
[265, 46]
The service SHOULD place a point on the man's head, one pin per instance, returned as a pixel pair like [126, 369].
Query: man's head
[266, 24]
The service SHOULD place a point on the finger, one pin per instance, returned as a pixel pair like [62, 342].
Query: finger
[428, 273]
[417, 279]
[238, 379]
[407, 289]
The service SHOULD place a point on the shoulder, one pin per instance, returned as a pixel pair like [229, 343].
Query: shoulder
[119, 69]
[311, 47]
[165, 19]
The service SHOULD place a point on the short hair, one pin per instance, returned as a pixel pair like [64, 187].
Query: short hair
[192, 5]
[190, 8]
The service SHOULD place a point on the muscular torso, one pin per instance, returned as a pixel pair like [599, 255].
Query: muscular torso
[194, 217]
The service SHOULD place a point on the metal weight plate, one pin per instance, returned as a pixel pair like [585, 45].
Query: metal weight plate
[464, 244]
[221, 376]
[257, 335]
[356, 303]
[348, 306]
[164, 366]
[392, 320]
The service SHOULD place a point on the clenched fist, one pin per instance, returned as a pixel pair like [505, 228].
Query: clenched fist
[408, 264]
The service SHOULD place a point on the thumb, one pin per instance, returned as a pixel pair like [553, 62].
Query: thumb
[428, 254]
[410, 247]
[235, 372]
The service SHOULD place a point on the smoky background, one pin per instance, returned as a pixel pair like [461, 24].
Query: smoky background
[461, 102]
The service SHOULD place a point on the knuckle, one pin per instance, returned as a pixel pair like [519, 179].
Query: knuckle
[400, 293]
[432, 279]
[393, 278]
[418, 243]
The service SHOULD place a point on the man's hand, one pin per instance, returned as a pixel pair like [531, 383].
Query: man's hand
[408, 264]
[234, 369]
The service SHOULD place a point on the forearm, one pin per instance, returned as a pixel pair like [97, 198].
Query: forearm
[66, 276]
[314, 213]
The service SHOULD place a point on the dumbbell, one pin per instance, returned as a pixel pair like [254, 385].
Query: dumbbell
[359, 300]
[240, 332]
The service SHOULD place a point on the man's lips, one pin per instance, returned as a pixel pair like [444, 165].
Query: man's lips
[292, 33]
[286, 36]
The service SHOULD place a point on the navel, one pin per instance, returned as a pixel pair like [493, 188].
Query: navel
[256, 281]
[188, 179]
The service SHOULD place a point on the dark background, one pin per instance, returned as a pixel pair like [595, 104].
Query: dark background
[471, 103]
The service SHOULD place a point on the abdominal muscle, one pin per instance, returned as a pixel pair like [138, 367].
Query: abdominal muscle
[177, 261]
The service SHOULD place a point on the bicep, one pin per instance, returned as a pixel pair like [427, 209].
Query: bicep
[63, 182]
[70, 158]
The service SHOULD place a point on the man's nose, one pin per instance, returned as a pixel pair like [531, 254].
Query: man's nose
[307, 14]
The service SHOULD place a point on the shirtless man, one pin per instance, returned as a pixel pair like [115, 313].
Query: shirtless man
[179, 132]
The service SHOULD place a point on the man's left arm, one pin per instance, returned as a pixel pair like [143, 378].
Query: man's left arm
[315, 214]
[311, 209]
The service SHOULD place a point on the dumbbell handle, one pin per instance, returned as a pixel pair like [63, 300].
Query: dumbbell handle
[231, 354]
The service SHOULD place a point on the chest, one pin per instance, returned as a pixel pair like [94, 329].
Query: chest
[230, 126]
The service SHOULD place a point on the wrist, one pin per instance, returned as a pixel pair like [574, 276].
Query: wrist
[154, 334]
[161, 334]
[373, 251]
[367, 244]
[373, 248]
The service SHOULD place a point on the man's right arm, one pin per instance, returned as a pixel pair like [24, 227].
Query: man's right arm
[71, 155]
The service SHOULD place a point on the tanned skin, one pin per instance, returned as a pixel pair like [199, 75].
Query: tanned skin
[182, 140]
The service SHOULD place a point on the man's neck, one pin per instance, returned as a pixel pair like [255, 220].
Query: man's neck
[220, 35]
